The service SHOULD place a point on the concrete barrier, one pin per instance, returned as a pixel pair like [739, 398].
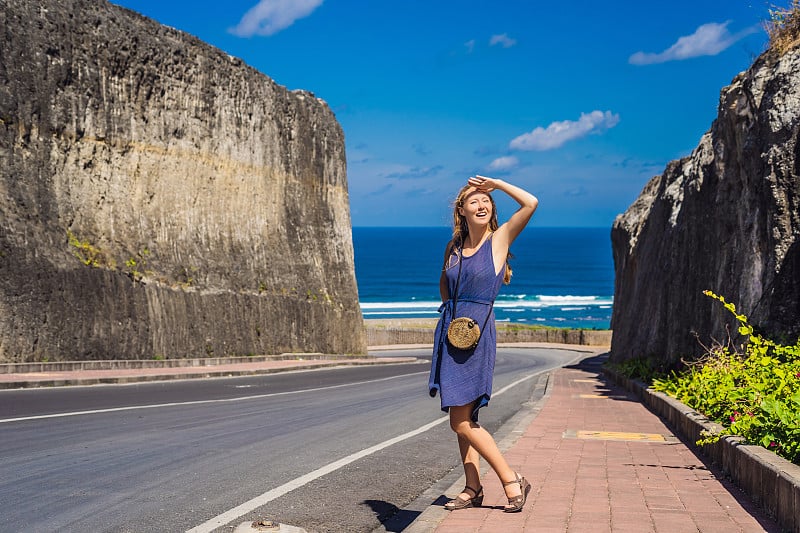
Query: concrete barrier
[390, 332]
[379, 333]
[135, 364]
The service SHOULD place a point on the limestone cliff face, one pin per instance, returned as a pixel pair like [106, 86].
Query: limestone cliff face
[726, 218]
[159, 197]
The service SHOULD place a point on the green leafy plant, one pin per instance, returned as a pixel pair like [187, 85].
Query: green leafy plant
[753, 392]
[89, 254]
[137, 264]
[185, 276]
[643, 368]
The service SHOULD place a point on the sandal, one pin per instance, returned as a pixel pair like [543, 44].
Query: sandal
[460, 503]
[516, 503]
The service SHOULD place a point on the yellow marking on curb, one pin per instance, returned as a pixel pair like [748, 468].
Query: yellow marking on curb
[592, 396]
[617, 435]
[585, 381]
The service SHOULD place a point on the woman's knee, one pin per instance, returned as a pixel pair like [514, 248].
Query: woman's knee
[460, 421]
[460, 427]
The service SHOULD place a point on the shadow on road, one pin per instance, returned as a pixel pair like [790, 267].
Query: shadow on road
[391, 516]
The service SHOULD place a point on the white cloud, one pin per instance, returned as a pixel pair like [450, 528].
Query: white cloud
[578, 190]
[503, 39]
[558, 133]
[271, 16]
[470, 45]
[504, 163]
[407, 172]
[708, 40]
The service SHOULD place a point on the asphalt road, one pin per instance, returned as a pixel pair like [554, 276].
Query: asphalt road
[328, 450]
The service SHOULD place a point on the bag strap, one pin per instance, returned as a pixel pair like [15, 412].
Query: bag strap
[455, 297]
[458, 280]
[486, 320]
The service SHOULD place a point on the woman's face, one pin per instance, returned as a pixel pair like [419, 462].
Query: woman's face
[476, 208]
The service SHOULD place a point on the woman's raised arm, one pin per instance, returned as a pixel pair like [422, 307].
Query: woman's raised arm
[508, 231]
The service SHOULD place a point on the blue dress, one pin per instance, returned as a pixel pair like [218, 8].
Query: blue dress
[462, 377]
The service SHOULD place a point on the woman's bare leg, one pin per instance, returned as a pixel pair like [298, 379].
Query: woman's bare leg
[474, 440]
[471, 460]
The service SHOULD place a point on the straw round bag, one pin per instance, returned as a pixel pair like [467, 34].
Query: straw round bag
[463, 333]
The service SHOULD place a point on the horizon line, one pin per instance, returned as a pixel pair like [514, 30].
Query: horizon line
[450, 227]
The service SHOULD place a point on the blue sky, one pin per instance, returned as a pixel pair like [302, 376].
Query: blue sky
[580, 102]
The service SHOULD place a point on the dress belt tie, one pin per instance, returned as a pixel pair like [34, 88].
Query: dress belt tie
[449, 303]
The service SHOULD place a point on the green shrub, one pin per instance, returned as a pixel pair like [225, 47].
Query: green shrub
[754, 393]
[644, 368]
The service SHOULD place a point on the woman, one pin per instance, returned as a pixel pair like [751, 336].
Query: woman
[476, 263]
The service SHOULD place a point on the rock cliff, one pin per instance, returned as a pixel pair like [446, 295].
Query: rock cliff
[158, 197]
[726, 218]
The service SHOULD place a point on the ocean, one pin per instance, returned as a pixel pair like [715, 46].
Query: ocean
[563, 277]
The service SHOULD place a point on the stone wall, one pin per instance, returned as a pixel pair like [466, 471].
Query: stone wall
[160, 197]
[387, 332]
[725, 219]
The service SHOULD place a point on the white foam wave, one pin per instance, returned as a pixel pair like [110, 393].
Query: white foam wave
[395, 313]
[572, 299]
[506, 302]
[399, 305]
[565, 302]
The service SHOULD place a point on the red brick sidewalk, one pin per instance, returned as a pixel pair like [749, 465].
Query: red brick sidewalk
[593, 468]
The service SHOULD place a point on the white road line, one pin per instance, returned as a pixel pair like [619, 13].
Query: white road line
[196, 402]
[296, 483]
[263, 499]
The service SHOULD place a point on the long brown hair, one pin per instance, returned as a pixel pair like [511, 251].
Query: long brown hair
[461, 229]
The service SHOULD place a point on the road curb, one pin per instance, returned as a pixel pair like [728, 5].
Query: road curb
[128, 364]
[771, 481]
[212, 371]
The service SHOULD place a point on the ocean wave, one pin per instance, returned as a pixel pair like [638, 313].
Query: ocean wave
[574, 299]
[509, 302]
[399, 305]
[401, 312]
[540, 301]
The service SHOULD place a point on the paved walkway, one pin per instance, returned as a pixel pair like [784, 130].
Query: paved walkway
[599, 461]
